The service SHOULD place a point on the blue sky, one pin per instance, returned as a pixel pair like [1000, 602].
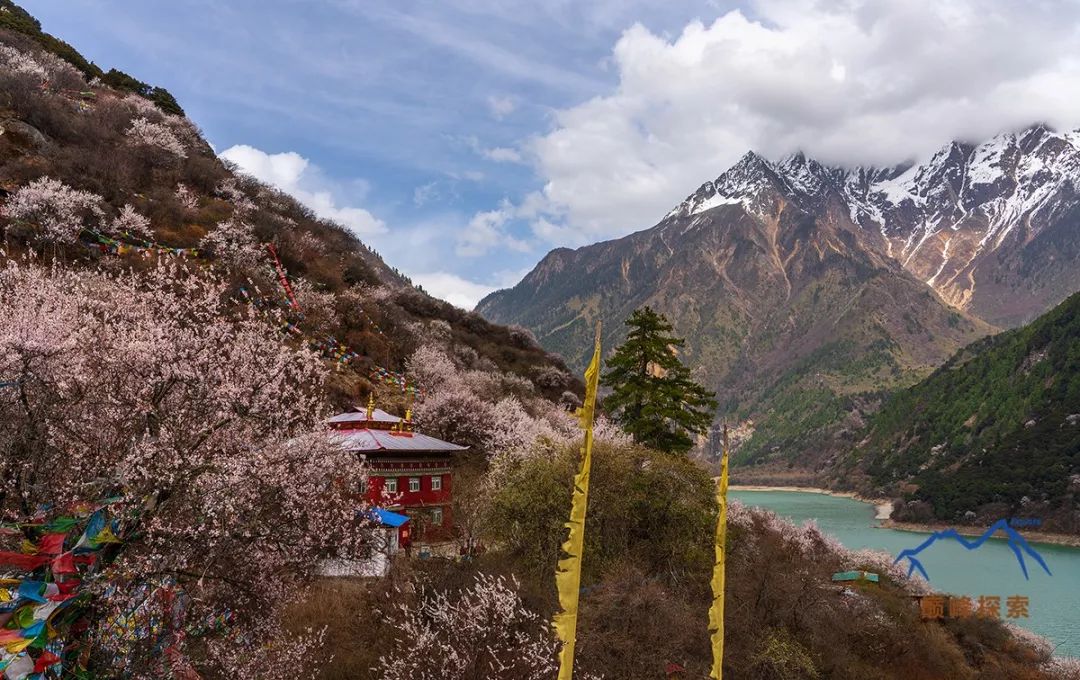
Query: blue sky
[463, 139]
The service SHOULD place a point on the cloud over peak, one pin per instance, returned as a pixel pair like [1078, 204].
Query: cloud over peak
[859, 82]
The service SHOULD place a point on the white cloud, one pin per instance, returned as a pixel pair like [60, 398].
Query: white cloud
[462, 292]
[551, 232]
[295, 175]
[425, 193]
[499, 154]
[487, 231]
[502, 154]
[510, 277]
[501, 107]
[453, 288]
[857, 82]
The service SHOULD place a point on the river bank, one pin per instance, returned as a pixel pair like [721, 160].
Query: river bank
[884, 508]
[1067, 540]
[991, 571]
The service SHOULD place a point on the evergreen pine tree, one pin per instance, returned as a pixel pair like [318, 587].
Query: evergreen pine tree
[653, 396]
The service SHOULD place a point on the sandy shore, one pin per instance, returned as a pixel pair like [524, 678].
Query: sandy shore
[883, 506]
[1032, 536]
[884, 512]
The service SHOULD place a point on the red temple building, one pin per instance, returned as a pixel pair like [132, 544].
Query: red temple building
[408, 472]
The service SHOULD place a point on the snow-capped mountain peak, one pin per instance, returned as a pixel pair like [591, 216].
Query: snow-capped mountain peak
[939, 218]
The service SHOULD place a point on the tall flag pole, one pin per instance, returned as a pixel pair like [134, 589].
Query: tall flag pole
[568, 572]
[716, 611]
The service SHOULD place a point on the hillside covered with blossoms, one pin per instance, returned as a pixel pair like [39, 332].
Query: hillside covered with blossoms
[174, 336]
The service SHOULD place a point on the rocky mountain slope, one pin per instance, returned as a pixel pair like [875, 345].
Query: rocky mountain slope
[159, 184]
[789, 307]
[993, 433]
[800, 286]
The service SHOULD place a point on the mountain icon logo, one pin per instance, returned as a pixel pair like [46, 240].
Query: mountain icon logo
[1017, 543]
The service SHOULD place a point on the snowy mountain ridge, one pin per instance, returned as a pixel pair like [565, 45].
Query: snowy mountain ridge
[941, 218]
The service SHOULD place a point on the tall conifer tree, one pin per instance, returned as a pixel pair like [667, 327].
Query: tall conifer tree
[653, 396]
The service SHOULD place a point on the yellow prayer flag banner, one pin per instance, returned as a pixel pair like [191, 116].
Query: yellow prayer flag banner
[18, 646]
[716, 611]
[568, 572]
[106, 535]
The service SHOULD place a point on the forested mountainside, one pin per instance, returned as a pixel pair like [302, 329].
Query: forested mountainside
[805, 291]
[173, 336]
[994, 432]
[128, 172]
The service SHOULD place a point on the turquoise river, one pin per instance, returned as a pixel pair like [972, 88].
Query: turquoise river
[1054, 600]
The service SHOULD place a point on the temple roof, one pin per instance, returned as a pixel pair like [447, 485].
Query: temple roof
[359, 414]
[365, 440]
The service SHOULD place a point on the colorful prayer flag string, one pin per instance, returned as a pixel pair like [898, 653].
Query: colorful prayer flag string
[42, 605]
[111, 245]
[282, 278]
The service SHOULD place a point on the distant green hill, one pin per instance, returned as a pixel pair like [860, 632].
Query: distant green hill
[994, 432]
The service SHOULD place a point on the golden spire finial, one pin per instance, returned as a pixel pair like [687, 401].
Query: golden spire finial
[371, 405]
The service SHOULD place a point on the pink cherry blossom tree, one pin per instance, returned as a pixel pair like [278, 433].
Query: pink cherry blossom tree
[484, 631]
[497, 413]
[233, 242]
[47, 67]
[229, 189]
[57, 211]
[18, 61]
[128, 222]
[144, 132]
[159, 389]
[186, 198]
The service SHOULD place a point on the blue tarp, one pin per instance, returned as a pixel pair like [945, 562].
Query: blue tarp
[387, 518]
